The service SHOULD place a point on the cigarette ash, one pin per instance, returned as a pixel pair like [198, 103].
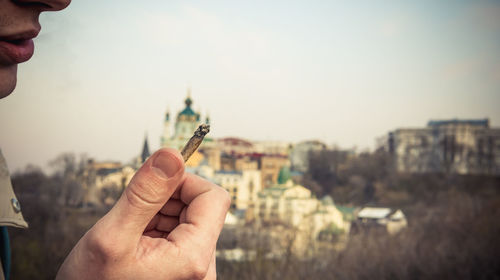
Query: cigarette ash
[202, 130]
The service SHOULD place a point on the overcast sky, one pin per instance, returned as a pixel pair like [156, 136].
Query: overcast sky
[344, 72]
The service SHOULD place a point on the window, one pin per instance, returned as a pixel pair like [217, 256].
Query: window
[251, 186]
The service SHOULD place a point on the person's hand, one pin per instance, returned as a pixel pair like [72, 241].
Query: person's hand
[164, 226]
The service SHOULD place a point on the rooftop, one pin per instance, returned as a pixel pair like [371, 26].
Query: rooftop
[228, 172]
[374, 213]
[474, 122]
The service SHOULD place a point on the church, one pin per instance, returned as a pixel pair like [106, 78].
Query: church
[177, 134]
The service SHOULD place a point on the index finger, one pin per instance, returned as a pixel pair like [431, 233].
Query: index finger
[203, 217]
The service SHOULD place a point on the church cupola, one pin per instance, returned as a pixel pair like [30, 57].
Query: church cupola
[188, 101]
[178, 130]
[188, 114]
[207, 119]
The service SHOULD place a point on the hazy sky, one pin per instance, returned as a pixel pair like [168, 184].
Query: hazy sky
[345, 72]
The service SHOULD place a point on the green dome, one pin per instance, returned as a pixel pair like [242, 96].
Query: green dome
[284, 175]
[188, 113]
[188, 101]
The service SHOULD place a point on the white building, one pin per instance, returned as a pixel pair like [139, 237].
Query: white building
[294, 205]
[328, 219]
[243, 186]
[272, 147]
[103, 177]
[455, 146]
[299, 155]
[376, 217]
[288, 203]
[231, 219]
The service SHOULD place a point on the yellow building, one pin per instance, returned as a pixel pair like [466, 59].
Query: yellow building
[294, 205]
[270, 166]
[285, 203]
[243, 187]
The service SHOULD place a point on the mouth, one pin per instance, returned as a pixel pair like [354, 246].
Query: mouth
[17, 48]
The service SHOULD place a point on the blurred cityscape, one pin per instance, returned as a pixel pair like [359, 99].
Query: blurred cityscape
[424, 205]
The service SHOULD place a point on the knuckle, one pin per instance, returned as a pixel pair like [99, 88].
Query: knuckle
[139, 194]
[198, 266]
[99, 245]
[198, 271]
[225, 198]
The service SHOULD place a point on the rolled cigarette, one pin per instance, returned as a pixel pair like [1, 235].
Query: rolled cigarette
[195, 141]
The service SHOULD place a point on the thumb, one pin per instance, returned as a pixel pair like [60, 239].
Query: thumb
[150, 188]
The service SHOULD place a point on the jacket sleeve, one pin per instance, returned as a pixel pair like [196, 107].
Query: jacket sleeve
[10, 208]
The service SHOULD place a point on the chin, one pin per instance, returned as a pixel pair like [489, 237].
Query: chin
[8, 79]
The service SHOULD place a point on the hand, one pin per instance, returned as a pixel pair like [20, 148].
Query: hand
[164, 226]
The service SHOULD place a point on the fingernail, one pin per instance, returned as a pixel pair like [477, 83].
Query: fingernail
[165, 166]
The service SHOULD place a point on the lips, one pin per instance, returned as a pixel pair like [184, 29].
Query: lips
[16, 51]
[18, 47]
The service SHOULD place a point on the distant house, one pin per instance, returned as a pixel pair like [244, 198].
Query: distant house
[289, 203]
[242, 186]
[376, 218]
[299, 155]
[295, 205]
[231, 219]
[452, 146]
[101, 177]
